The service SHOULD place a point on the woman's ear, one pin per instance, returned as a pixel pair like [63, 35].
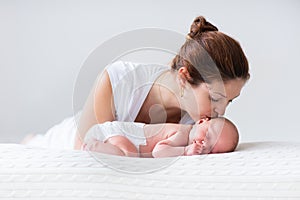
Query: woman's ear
[183, 75]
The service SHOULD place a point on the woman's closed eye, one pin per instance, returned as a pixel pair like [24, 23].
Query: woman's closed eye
[213, 99]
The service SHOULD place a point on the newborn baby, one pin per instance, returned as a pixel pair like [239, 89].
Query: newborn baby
[218, 135]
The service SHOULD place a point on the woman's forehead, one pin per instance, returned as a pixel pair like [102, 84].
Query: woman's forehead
[229, 88]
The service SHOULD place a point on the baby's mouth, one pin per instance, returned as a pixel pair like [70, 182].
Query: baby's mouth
[203, 118]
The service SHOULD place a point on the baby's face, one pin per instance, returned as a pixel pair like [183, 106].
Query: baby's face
[216, 135]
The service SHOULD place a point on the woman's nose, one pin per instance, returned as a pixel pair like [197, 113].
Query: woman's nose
[220, 111]
[214, 114]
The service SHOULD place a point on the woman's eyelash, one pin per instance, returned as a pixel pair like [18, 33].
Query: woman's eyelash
[213, 99]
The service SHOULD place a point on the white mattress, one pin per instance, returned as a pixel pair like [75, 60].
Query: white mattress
[265, 170]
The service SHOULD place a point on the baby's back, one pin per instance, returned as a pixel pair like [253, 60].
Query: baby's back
[155, 133]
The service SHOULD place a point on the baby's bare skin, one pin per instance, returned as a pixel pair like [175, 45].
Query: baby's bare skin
[167, 140]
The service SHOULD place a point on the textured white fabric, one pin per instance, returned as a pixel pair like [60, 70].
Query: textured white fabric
[264, 170]
[133, 131]
[60, 136]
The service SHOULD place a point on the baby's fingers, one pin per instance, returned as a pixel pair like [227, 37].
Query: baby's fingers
[199, 148]
[199, 151]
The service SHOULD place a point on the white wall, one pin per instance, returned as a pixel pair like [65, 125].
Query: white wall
[44, 43]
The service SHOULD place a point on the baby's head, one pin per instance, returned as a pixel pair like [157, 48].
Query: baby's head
[218, 135]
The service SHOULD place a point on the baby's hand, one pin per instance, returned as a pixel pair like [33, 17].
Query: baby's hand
[195, 148]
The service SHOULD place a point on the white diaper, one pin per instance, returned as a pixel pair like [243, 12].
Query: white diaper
[132, 130]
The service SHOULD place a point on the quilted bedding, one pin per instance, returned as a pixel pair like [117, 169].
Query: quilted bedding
[259, 170]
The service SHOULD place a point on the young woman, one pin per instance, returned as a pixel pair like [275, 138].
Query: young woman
[208, 72]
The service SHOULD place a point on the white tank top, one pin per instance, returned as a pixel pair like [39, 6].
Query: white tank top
[131, 83]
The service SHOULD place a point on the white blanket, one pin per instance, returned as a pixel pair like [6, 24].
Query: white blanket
[264, 170]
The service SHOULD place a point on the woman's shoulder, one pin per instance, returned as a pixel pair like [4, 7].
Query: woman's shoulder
[132, 70]
[119, 67]
[127, 66]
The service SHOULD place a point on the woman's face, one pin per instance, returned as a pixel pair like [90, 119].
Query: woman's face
[210, 100]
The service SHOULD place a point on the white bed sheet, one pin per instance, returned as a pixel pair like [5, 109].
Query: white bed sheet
[260, 170]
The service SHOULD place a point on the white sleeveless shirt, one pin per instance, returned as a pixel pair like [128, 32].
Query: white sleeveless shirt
[131, 83]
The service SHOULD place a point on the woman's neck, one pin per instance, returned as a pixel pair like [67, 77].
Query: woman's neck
[168, 93]
[163, 102]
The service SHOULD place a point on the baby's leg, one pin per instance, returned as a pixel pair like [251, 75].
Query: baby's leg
[115, 145]
[101, 147]
[124, 144]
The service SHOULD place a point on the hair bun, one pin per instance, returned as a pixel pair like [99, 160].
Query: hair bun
[199, 26]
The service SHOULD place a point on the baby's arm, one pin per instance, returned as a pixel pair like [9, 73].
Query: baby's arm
[176, 145]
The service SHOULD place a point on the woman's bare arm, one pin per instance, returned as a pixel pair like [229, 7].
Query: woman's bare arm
[98, 108]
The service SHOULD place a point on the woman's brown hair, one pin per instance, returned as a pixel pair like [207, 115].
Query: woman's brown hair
[210, 54]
